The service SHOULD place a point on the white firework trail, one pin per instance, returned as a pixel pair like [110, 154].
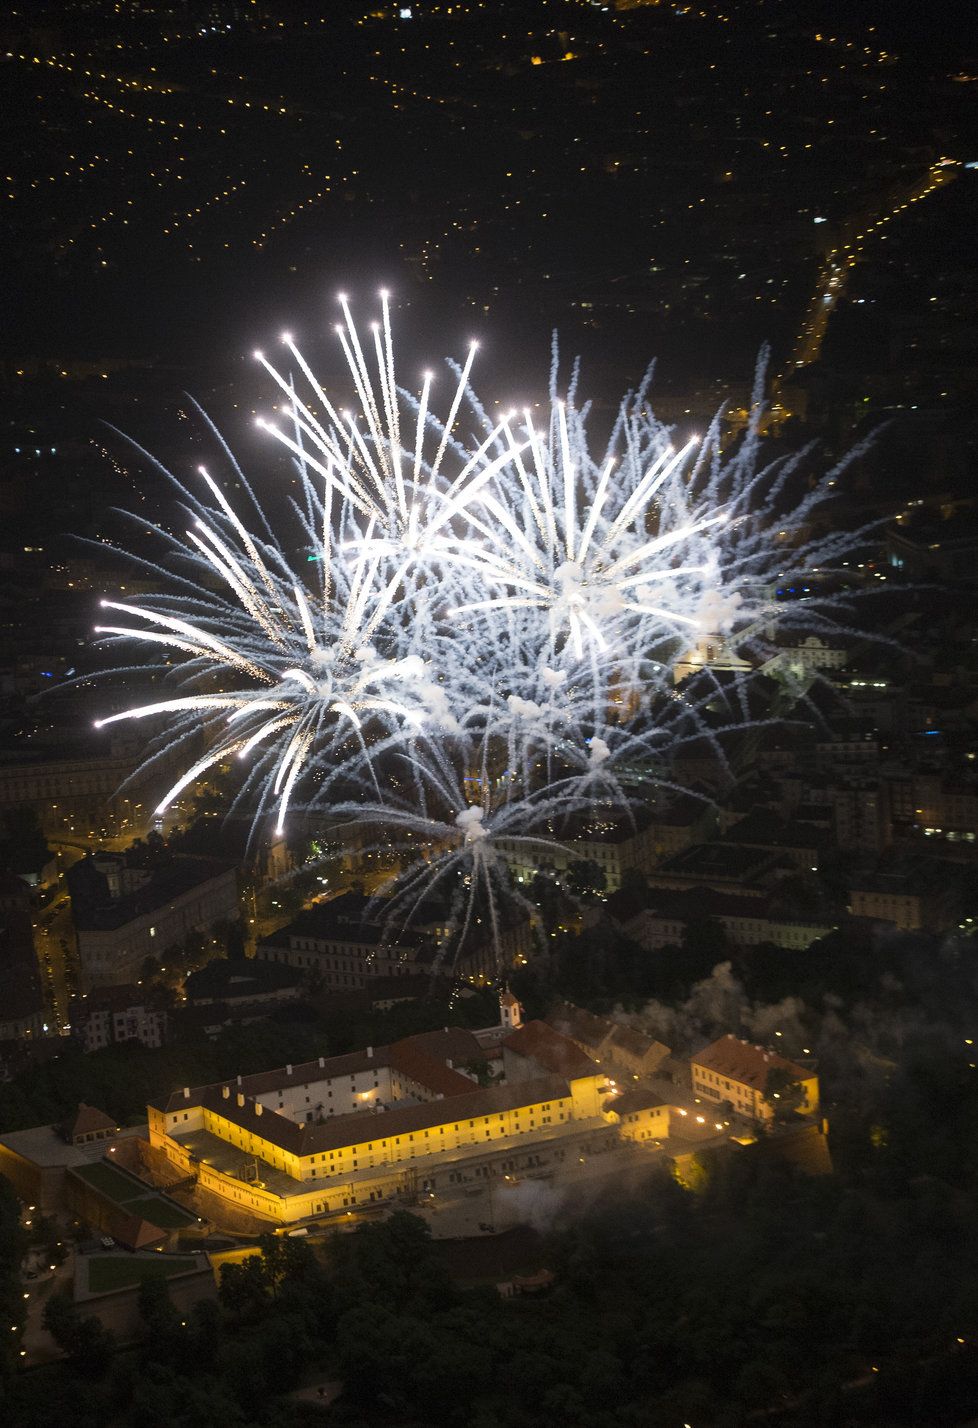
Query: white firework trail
[480, 643]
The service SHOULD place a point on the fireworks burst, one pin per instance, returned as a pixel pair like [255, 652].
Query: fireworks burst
[485, 595]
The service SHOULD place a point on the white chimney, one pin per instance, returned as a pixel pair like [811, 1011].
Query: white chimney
[370, 1051]
[240, 1099]
[288, 1069]
[226, 1092]
[322, 1063]
[258, 1108]
[186, 1093]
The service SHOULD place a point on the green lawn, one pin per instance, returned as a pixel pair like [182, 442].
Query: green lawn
[108, 1271]
[110, 1182]
[159, 1212]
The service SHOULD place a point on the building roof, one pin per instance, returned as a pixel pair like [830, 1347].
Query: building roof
[170, 881]
[581, 1026]
[351, 918]
[263, 1082]
[635, 1043]
[123, 996]
[681, 906]
[229, 979]
[722, 863]
[914, 877]
[638, 1098]
[744, 1062]
[136, 1233]
[424, 1058]
[370, 1127]
[551, 1050]
[394, 989]
[762, 828]
[86, 1120]
[46, 1145]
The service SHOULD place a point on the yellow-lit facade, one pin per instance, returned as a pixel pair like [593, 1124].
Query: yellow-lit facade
[647, 1125]
[746, 1097]
[366, 1157]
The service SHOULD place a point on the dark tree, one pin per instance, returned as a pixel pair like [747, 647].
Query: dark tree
[23, 846]
[586, 879]
[783, 1093]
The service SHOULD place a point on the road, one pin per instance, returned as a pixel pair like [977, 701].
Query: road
[843, 257]
[54, 943]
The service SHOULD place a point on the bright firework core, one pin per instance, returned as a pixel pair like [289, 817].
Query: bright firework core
[487, 641]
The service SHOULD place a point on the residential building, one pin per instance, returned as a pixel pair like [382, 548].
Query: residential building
[345, 943]
[629, 1052]
[125, 913]
[746, 921]
[809, 656]
[117, 1013]
[614, 848]
[242, 981]
[722, 865]
[709, 652]
[68, 795]
[88, 1125]
[916, 898]
[642, 1115]
[736, 1072]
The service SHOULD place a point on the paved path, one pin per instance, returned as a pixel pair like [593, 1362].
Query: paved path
[39, 1347]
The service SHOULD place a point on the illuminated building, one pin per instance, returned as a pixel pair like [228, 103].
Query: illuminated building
[736, 1072]
[387, 1123]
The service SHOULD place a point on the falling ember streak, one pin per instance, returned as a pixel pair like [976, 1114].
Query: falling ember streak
[495, 620]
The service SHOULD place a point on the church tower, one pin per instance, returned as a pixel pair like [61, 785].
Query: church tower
[510, 1011]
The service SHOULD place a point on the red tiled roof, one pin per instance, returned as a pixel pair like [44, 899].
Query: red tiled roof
[136, 1233]
[418, 1056]
[359, 1127]
[412, 1058]
[263, 1081]
[550, 1049]
[86, 1120]
[744, 1062]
